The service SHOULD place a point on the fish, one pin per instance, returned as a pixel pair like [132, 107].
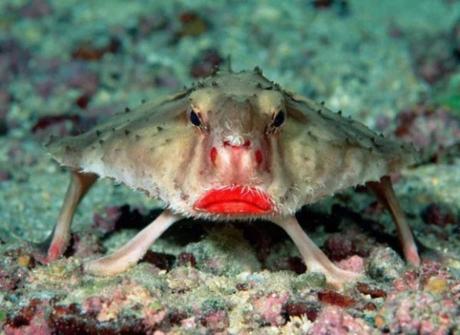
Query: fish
[232, 146]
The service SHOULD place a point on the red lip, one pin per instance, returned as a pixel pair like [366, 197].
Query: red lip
[235, 200]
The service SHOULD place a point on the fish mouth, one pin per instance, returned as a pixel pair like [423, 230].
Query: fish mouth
[235, 200]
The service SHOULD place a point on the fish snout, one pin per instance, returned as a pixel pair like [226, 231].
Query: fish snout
[238, 157]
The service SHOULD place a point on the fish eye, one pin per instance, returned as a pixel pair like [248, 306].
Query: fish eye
[194, 118]
[278, 120]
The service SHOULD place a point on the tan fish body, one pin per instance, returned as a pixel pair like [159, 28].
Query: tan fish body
[234, 146]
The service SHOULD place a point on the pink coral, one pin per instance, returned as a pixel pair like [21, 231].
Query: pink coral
[419, 313]
[31, 320]
[425, 125]
[335, 321]
[153, 317]
[216, 321]
[422, 302]
[353, 263]
[271, 308]
[93, 305]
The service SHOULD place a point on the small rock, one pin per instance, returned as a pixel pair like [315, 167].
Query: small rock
[87, 51]
[438, 215]
[24, 260]
[373, 292]
[84, 245]
[369, 306]
[206, 63]
[107, 221]
[334, 320]
[296, 264]
[436, 285]
[270, 308]
[338, 247]
[160, 260]
[302, 308]
[192, 24]
[186, 258]
[384, 264]
[242, 286]
[309, 280]
[354, 263]
[216, 321]
[83, 101]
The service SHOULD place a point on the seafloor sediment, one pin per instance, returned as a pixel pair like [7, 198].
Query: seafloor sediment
[65, 65]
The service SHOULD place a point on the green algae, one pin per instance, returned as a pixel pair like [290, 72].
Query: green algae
[450, 96]
[309, 280]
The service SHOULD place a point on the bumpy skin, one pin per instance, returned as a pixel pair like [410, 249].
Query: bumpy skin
[235, 146]
[155, 148]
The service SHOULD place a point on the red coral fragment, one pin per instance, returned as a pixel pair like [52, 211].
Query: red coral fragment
[299, 309]
[373, 292]
[186, 258]
[321, 4]
[370, 306]
[91, 53]
[83, 101]
[160, 260]
[50, 120]
[242, 286]
[405, 121]
[334, 298]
